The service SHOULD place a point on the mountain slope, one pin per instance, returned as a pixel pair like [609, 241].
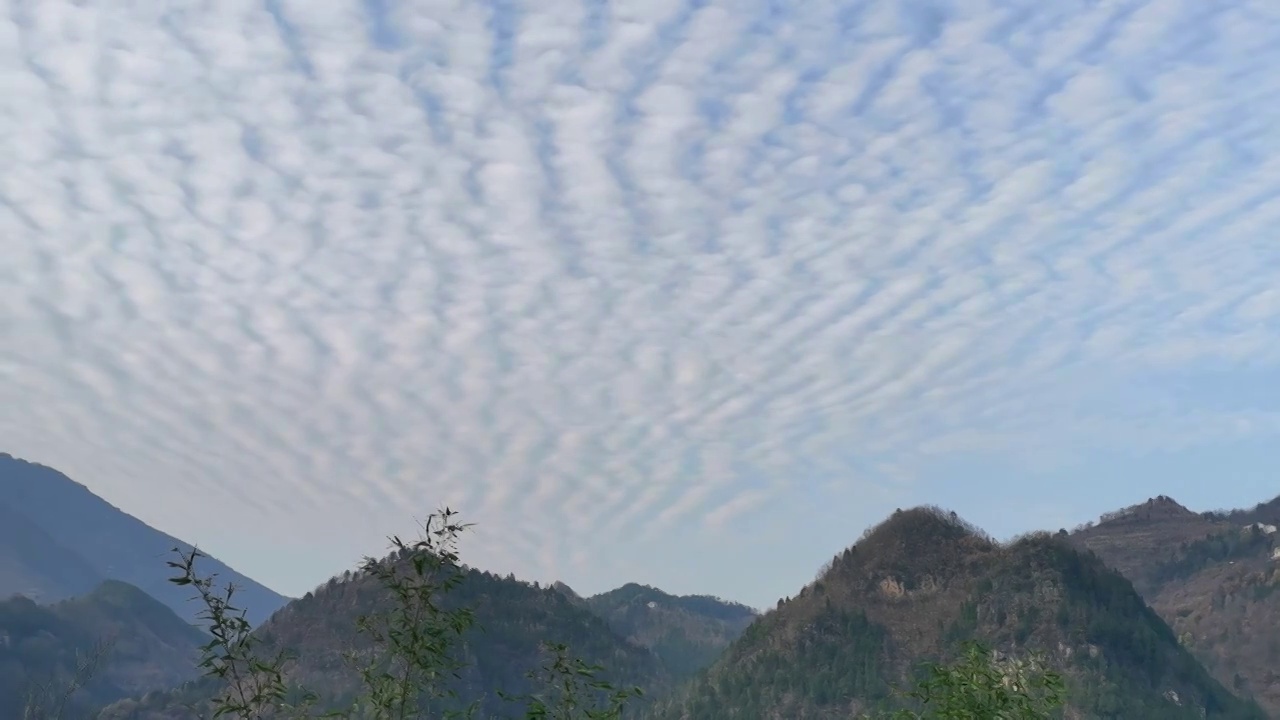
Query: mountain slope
[513, 617]
[82, 539]
[145, 647]
[1135, 539]
[917, 586]
[1214, 577]
[686, 632]
[34, 564]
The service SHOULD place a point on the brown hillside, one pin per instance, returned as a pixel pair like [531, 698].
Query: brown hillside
[916, 587]
[1137, 538]
[1213, 577]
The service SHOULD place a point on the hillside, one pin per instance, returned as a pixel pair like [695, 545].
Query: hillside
[918, 585]
[1136, 539]
[686, 632]
[1214, 577]
[513, 618]
[35, 565]
[144, 646]
[58, 540]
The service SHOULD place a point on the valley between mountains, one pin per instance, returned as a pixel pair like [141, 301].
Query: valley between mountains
[1154, 611]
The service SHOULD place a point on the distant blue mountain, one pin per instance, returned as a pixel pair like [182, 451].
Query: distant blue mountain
[134, 643]
[58, 540]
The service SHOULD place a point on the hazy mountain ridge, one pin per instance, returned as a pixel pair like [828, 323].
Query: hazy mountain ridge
[687, 632]
[144, 645]
[35, 565]
[60, 540]
[922, 582]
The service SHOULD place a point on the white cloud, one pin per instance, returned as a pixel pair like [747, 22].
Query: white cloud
[597, 276]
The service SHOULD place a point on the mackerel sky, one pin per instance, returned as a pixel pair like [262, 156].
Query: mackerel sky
[685, 292]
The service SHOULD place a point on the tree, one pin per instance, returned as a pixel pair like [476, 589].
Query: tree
[983, 686]
[572, 690]
[49, 701]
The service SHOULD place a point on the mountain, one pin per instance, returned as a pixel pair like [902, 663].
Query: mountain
[686, 632]
[58, 540]
[1213, 577]
[1131, 538]
[916, 587]
[513, 619]
[143, 646]
[35, 565]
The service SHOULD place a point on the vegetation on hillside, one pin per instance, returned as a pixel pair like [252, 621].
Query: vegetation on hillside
[428, 637]
[47, 653]
[982, 685]
[924, 584]
[1212, 577]
[420, 649]
[1227, 546]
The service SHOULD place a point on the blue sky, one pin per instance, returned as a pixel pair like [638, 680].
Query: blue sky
[685, 293]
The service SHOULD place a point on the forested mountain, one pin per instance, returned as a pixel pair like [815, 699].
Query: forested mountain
[1214, 577]
[134, 643]
[912, 589]
[918, 585]
[513, 619]
[687, 632]
[58, 540]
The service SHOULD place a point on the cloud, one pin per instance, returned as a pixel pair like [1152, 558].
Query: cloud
[588, 272]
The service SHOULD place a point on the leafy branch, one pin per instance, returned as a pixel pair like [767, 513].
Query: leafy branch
[254, 687]
[415, 639]
[982, 686]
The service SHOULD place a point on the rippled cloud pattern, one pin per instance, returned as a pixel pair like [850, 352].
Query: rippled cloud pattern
[617, 279]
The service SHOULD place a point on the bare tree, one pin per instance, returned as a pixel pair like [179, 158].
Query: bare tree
[49, 700]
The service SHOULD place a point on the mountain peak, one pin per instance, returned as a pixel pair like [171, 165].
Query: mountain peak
[121, 593]
[1161, 507]
[564, 589]
[921, 539]
[921, 522]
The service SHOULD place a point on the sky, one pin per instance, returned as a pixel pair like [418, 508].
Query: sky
[681, 292]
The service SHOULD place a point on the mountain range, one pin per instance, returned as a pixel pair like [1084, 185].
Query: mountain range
[922, 583]
[1154, 611]
[59, 540]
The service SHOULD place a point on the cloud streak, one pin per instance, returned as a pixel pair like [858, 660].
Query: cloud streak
[595, 271]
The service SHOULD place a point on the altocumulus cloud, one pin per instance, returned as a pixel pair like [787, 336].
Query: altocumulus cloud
[598, 272]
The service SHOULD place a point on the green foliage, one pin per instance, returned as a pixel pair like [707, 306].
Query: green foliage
[980, 686]
[572, 690]
[414, 641]
[255, 687]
